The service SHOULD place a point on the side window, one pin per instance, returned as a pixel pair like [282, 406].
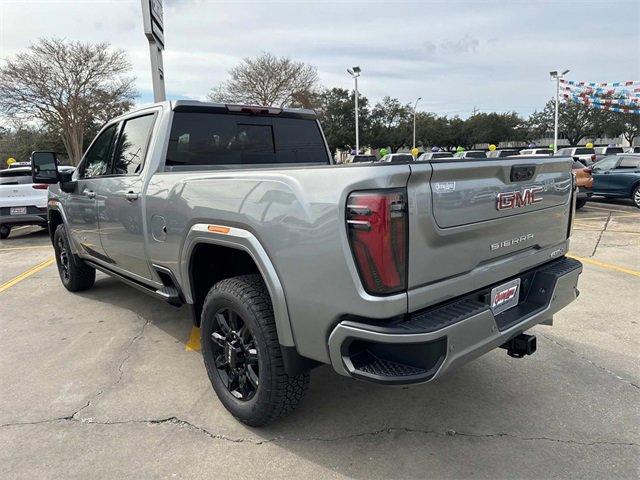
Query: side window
[629, 162]
[96, 160]
[132, 146]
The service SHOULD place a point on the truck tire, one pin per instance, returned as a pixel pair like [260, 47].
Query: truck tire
[74, 273]
[5, 230]
[581, 202]
[242, 354]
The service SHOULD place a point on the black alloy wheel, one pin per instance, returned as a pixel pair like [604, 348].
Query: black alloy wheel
[63, 260]
[236, 355]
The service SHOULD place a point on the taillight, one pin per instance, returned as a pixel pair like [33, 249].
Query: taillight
[377, 228]
[40, 186]
[593, 158]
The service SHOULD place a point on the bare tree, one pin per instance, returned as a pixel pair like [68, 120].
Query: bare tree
[268, 80]
[67, 86]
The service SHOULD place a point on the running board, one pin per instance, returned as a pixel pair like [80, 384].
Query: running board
[170, 295]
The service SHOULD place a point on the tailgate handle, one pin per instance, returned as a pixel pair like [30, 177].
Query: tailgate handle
[522, 173]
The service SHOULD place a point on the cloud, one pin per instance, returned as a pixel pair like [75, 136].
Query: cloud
[456, 55]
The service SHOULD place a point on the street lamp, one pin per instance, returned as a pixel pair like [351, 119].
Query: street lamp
[557, 76]
[414, 121]
[355, 73]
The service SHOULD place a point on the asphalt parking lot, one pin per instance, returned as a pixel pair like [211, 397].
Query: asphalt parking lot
[109, 383]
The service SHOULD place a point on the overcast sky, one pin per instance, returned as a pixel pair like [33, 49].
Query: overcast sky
[456, 55]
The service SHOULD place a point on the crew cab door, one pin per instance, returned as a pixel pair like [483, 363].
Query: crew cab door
[81, 206]
[121, 211]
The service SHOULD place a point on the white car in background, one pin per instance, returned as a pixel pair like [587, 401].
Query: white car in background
[22, 202]
[434, 155]
[397, 157]
[542, 152]
[608, 150]
[471, 154]
[585, 155]
[502, 153]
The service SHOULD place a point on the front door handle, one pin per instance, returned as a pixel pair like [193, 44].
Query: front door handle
[131, 196]
[90, 193]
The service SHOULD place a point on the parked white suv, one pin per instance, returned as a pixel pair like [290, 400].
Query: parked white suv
[22, 202]
[583, 154]
[536, 151]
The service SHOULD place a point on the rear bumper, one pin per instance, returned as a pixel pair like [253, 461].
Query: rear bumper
[34, 216]
[424, 345]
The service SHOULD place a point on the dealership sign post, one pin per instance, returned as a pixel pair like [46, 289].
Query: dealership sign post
[154, 30]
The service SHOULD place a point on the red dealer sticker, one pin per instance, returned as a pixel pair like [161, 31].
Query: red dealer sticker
[505, 296]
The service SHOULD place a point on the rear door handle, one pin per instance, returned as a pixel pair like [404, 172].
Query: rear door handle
[131, 196]
[90, 193]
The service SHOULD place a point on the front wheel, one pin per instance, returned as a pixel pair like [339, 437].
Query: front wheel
[635, 196]
[5, 230]
[580, 202]
[242, 354]
[74, 273]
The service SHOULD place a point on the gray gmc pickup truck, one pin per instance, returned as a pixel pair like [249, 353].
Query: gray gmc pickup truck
[392, 272]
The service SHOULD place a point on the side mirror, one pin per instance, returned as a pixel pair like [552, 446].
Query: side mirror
[44, 167]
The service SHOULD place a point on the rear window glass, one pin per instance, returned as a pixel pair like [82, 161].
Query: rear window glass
[614, 150]
[227, 139]
[442, 155]
[584, 151]
[476, 155]
[507, 153]
[15, 176]
[364, 158]
[402, 158]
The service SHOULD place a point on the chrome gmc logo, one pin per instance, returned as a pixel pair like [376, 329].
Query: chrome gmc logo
[509, 200]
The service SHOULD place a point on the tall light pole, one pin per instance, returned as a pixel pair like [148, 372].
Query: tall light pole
[557, 76]
[355, 73]
[414, 121]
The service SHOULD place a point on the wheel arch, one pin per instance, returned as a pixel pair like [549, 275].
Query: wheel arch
[235, 252]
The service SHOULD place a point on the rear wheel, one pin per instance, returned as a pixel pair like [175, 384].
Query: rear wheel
[242, 354]
[635, 196]
[74, 273]
[5, 230]
[580, 202]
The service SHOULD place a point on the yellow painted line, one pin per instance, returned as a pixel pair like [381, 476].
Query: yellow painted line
[609, 266]
[11, 249]
[586, 225]
[27, 274]
[193, 345]
[607, 209]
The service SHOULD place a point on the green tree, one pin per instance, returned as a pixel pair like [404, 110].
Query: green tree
[20, 141]
[391, 124]
[575, 121]
[494, 128]
[336, 112]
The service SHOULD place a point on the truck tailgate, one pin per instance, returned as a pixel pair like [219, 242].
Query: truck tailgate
[472, 223]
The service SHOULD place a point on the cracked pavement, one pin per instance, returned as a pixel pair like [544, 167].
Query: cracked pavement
[99, 385]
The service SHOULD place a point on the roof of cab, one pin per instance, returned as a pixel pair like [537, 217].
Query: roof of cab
[197, 106]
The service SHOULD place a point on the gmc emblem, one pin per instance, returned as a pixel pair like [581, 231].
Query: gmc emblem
[509, 200]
